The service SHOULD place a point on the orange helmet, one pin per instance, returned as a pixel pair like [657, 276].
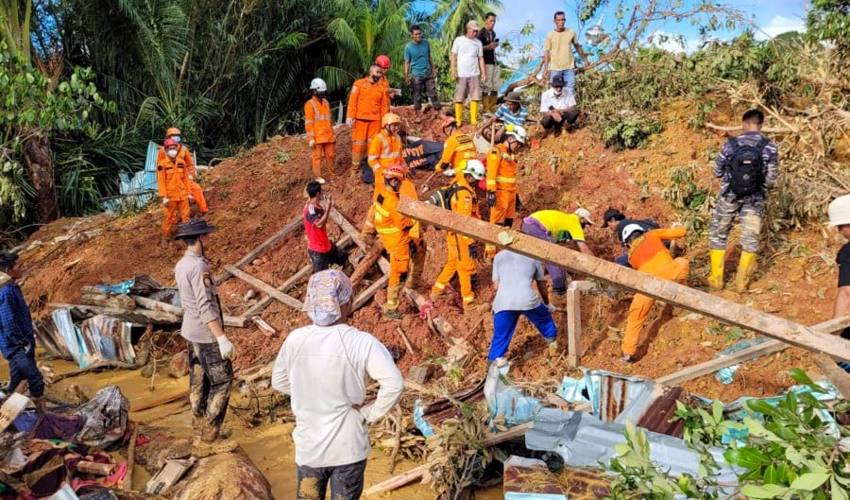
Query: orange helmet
[389, 119]
[448, 121]
[172, 131]
[383, 61]
[397, 171]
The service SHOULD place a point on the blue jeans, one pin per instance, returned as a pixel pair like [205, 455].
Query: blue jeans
[504, 325]
[346, 481]
[22, 367]
[569, 77]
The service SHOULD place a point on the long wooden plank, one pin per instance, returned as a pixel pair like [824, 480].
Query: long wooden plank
[262, 247]
[669, 291]
[834, 373]
[156, 305]
[408, 477]
[265, 288]
[763, 349]
[349, 229]
[261, 305]
[370, 292]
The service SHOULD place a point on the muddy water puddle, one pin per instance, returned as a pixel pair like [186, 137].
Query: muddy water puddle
[269, 445]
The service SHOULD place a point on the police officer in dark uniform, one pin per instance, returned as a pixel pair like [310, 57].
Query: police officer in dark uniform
[210, 352]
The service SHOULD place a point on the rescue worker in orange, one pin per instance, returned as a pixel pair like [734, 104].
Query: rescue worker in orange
[502, 174]
[367, 104]
[461, 254]
[195, 191]
[384, 62]
[320, 130]
[394, 229]
[172, 180]
[458, 149]
[384, 151]
[648, 254]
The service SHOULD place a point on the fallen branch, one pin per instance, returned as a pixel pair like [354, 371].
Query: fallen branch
[737, 128]
[404, 338]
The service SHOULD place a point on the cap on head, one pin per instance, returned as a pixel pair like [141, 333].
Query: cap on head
[169, 142]
[475, 168]
[584, 214]
[558, 80]
[193, 228]
[383, 61]
[612, 213]
[472, 25]
[172, 131]
[513, 97]
[629, 230]
[448, 121]
[389, 119]
[327, 292]
[318, 85]
[839, 211]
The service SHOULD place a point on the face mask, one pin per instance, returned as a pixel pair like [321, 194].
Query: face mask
[374, 78]
[171, 153]
[320, 95]
[176, 138]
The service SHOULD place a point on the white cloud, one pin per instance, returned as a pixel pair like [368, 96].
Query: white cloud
[780, 24]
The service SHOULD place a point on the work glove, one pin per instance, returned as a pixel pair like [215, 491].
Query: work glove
[225, 347]
[165, 200]
[491, 198]
[191, 198]
[312, 143]
[676, 224]
[350, 122]
[449, 172]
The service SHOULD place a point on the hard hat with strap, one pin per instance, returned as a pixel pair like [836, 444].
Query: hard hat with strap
[383, 61]
[475, 168]
[318, 85]
[172, 131]
[397, 171]
[389, 119]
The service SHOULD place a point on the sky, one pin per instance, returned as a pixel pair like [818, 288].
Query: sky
[772, 17]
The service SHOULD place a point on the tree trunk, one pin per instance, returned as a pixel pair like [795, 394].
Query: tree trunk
[39, 162]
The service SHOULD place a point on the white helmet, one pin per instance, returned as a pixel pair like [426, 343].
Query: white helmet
[476, 169]
[839, 211]
[319, 85]
[629, 230]
[517, 131]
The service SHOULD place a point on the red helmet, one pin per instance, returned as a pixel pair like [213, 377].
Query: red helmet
[395, 172]
[448, 120]
[383, 61]
[169, 142]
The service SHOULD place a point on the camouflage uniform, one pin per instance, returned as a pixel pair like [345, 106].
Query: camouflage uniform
[749, 209]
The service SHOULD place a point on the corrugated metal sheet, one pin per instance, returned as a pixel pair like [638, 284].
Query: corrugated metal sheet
[96, 339]
[585, 484]
[657, 417]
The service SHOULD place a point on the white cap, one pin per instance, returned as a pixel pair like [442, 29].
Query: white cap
[839, 211]
[584, 213]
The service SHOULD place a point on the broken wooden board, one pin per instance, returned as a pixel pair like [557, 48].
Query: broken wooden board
[530, 479]
[94, 296]
[834, 373]
[671, 292]
[369, 292]
[156, 305]
[12, 407]
[265, 288]
[349, 229]
[763, 349]
[262, 247]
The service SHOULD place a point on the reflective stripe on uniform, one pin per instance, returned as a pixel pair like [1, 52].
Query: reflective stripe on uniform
[316, 112]
[509, 180]
[389, 230]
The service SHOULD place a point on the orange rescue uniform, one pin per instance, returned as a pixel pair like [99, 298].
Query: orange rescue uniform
[502, 173]
[458, 148]
[394, 229]
[459, 260]
[367, 104]
[194, 188]
[172, 180]
[384, 150]
[319, 128]
[648, 255]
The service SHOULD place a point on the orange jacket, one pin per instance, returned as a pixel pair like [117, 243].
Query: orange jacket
[648, 251]
[464, 203]
[408, 190]
[368, 101]
[172, 176]
[317, 121]
[458, 148]
[501, 169]
[393, 227]
[384, 150]
[183, 153]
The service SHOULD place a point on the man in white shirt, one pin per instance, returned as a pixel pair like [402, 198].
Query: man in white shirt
[323, 367]
[518, 298]
[468, 70]
[557, 107]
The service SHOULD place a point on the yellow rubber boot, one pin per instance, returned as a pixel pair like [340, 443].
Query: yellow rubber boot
[715, 279]
[459, 113]
[473, 112]
[745, 270]
[391, 308]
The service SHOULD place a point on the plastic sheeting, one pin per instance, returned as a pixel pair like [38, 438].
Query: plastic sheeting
[523, 72]
[106, 414]
[727, 375]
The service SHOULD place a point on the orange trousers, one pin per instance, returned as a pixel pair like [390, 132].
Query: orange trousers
[325, 150]
[362, 132]
[198, 194]
[460, 262]
[676, 270]
[505, 208]
[169, 212]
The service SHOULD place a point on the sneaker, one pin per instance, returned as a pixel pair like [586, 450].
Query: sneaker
[628, 359]
[393, 314]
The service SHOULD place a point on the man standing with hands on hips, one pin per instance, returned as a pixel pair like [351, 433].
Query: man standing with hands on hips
[210, 352]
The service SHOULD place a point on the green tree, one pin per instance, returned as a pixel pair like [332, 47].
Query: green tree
[829, 20]
[453, 15]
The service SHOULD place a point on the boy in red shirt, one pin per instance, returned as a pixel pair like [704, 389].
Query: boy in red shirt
[322, 251]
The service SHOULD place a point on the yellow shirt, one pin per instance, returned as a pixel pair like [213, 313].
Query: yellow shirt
[560, 47]
[561, 226]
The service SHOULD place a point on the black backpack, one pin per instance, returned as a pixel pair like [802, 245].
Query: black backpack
[443, 196]
[746, 167]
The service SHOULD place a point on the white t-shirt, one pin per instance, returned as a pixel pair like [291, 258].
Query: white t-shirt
[324, 370]
[515, 272]
[565, 100]
[468, 51]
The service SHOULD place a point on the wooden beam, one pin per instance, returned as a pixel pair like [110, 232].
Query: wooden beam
[370, 292]
[156, 305]
[349, 229]
[261, 305]
[834, 373]
[261, 249]
[573, 326]
[669, 291]
[490, 439]
[763, 349]
[265, 287]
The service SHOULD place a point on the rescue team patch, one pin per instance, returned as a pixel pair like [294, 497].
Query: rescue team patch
[464, 139]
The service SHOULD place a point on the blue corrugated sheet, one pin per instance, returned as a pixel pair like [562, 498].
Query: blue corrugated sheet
[140, 189]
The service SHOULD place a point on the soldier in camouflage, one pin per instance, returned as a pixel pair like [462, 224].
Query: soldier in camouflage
[742, 195]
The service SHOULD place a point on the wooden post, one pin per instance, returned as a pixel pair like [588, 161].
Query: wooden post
[661, 289]
[261, 249]
[573, 327]
[265, 301]
[349, 229]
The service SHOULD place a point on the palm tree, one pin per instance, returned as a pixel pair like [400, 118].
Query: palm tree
[454, 14]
